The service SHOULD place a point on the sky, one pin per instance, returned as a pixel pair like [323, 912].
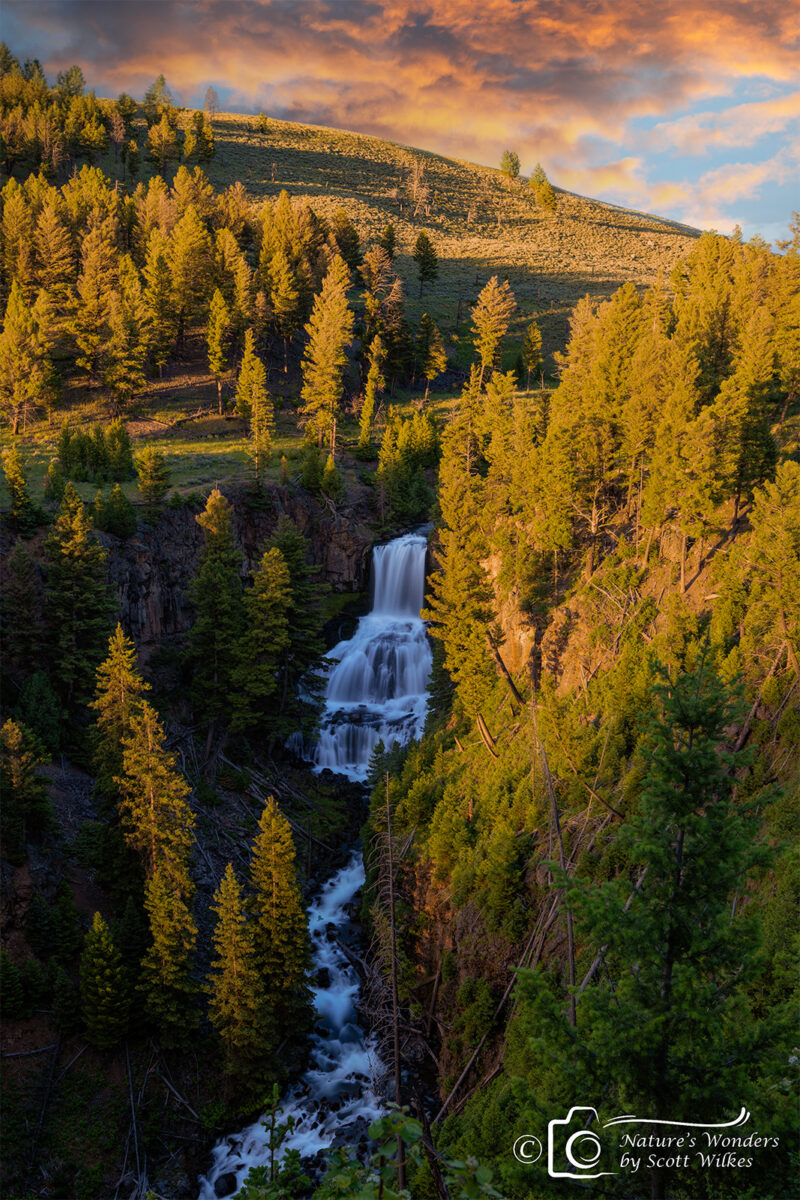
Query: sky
[685, 108]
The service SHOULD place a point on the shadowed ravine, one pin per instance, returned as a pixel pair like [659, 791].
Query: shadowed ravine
[376, 691]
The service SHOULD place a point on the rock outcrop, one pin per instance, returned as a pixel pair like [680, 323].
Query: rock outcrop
[152, 570]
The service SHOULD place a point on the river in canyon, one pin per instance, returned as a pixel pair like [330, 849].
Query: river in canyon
[376, 692]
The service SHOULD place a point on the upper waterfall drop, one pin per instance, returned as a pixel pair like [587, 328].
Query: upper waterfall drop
[377, 684]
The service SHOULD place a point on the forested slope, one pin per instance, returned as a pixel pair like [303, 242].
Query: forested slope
[215, 395]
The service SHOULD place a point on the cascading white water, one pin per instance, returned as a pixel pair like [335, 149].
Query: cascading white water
[376, 690]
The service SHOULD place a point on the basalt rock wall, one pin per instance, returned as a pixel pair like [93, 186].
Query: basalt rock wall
[152, 570]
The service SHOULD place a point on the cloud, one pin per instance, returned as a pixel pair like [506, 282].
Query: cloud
[564, 82]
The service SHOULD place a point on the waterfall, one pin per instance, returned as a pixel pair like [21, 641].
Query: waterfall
[376, 691]
[376, 686]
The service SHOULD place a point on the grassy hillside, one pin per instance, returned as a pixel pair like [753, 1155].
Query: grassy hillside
[480, 222]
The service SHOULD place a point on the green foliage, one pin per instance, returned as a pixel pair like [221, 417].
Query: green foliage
[542, 189]
[24, 517]
[153, 476]
[490, 318]
[104, 994]
[237, 1008]
[264, 641]
[166, 982]
[300, 687]
[118, 694]
[346, 238]
[115, 513]
[78, 604]
[408, 447]
[329, 332]
[26, 812]
[216, 594]
[509, 164]
[426, 259]
[280, 925]
[40, 709]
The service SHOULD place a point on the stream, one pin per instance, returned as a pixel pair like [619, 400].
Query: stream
[375, 692]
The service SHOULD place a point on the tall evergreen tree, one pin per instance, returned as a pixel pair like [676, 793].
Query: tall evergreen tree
[532, 351]
[426, 259]
[156, 818]
[490, 318]
[254, 403]
[23, 512]
[431, 355]
[26, 811]
[284, 299]
[329, 332]
[153, 475]
[375, 382]
[280, 925]
[118, 695]
[216, 594]
[677, 963]
[237, 1007]
[21, 610]
[264, 642]
[299, 698]
[159, 298]
[91, 307]
[24, 366]
[78, 603]
[219, 323]
[104, 990]
[166, 982]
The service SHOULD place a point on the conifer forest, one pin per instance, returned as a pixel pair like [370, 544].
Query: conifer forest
[400, 612]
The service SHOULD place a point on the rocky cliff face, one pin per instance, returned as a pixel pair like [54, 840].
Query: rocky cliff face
[153, 569]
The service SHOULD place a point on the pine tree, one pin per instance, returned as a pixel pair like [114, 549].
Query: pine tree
[153, 475]
[78, 604]
[542, 189]
[191, 267]
[115, 513]
[156, 818]
[509, 164]
[26, 811]
[118, 696]
[23, 513]
[21, 609]
[159, 298]
[216, 594]
[300, 688]
[104, 995]
[55, 252]
[532, 351]
[284, 298]
[24, 365]
[280, 926]
[346, 238]
[126, 354]
[253, 402]
[375, 383]
[388, 241]
[490, 319]
[120, 455]
[431, 354]
[426, 260]
[237, 1008]
[677, 959]
[219, 323]
[162, 142]
[91, 306]
[329, 332]
[166, 982]
[264, 642]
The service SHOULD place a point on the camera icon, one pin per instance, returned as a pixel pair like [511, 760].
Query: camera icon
[570, 1144]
